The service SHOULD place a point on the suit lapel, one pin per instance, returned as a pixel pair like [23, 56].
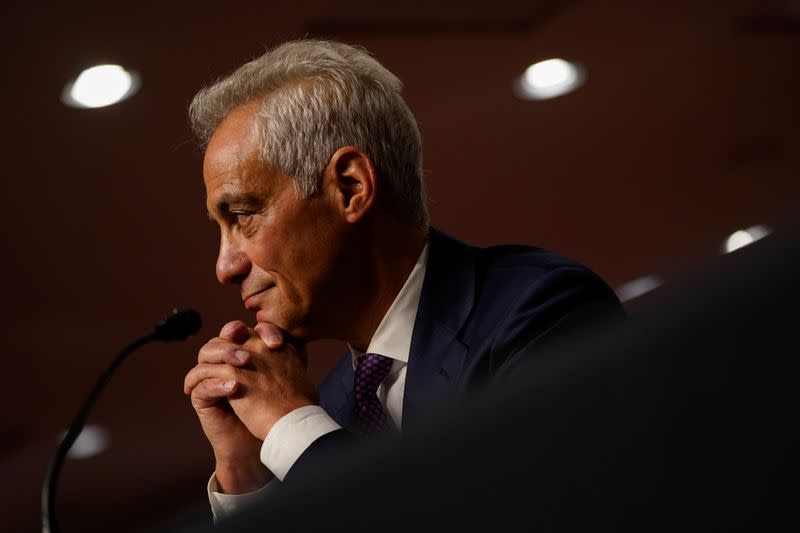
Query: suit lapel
[437, 354]
[337, 399]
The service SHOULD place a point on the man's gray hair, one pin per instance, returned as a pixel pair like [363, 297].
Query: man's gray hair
[316, 97]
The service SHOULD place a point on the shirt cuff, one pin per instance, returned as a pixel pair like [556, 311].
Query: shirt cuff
[292, 435]
[223, 505]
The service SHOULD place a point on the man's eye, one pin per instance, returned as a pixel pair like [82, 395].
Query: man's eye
[241, 218]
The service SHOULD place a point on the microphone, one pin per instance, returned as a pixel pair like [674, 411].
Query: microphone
[178, 326]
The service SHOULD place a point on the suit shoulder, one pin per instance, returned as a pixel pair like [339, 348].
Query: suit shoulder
[524, 279]
[507, 268]
[525, 259]
[526, 293]
[491, 282]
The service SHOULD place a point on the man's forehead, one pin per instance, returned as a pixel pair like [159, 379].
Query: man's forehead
[226, 158]
[233, 143]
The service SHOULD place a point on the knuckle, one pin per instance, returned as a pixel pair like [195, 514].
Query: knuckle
[202, 389]
[256, 345]
[207, 350]
[232, 328]
[192, 380]
[214, 351]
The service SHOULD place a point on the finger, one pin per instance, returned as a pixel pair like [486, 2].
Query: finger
[270, 334]
[235, 331]
[209, 392]
[221, 351]
[202, 372]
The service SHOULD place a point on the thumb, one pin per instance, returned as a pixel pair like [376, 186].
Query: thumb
[235, 331]
[270, 334]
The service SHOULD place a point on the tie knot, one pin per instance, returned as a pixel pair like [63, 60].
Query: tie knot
[371, 369]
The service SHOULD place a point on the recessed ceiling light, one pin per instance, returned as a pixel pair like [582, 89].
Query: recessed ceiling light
[638, 287]
[743, 237]
[92, 440]
[548, 79]
[100, 86]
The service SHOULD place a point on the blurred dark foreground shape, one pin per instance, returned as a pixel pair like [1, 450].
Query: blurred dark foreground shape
[678, 419]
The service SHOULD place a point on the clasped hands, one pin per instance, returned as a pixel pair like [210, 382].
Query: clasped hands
[245, 380]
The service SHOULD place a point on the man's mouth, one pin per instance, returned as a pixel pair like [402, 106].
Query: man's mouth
[250, 302]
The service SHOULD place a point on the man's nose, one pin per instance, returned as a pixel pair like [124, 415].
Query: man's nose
[233, 264]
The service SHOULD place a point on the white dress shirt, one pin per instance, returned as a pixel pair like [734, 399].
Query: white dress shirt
[295, 432]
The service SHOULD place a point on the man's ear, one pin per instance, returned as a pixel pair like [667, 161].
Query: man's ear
[351, 179]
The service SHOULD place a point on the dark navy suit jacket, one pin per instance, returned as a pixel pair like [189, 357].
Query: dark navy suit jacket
[478, 308]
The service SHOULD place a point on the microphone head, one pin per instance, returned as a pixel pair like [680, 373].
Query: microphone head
[178, 326]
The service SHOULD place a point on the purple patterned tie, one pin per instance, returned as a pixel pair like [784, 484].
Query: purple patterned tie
[371, 369]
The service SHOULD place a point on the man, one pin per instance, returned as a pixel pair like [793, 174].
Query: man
[313, 172]
[678, 420]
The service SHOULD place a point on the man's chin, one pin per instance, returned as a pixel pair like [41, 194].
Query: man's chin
[266, 317]
[297, 332]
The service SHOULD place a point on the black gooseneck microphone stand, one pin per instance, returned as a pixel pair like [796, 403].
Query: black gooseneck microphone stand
[178, 326]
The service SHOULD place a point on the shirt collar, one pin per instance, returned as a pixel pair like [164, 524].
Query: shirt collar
[393, 336]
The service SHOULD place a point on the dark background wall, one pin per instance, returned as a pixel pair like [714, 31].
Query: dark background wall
[685, 131]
